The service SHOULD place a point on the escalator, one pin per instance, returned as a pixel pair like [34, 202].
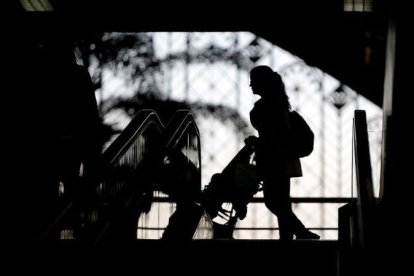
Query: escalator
[178, 190]
[150, 180]
[127, 168]
[363, 230]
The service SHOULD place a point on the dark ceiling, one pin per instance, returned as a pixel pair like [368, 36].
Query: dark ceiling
[347, 45]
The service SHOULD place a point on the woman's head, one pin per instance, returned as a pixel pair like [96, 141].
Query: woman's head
[268, 84]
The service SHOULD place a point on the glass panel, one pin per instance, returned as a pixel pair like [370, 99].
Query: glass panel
[151, 225]
[367, 5]
[321, 218]
[375, 142]
[348, 5]
[358, 5]
[204, 229]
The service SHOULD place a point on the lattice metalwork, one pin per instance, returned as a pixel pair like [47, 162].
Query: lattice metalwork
[211, 69]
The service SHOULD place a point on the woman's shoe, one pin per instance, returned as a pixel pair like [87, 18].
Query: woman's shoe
[307, 235]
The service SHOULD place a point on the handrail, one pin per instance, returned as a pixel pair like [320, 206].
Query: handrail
[365, 200]
[139, 124]
[295, 200]
[181, 124]
[177, 126]
[324, 200]
[181, 175]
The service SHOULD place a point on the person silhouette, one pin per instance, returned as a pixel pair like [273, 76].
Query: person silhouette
[75, 107]
[66, 120]
[77, 133]
[269, 117]
[53, 127]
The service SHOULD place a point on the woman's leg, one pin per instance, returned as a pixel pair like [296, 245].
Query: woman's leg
[276, 191]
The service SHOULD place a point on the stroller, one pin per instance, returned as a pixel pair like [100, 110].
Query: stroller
[228, 193]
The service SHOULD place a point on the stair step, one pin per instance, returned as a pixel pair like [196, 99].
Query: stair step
[207, 256]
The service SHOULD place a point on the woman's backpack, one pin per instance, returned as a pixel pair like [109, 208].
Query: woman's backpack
[301, 136]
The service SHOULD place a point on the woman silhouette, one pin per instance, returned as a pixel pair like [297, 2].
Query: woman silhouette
[270, 118]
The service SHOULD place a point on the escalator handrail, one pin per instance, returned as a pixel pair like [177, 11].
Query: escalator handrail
[177, 126]
[365, 199]
[172, 134]
[363, 159]
[181, 122]
[137, 126]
